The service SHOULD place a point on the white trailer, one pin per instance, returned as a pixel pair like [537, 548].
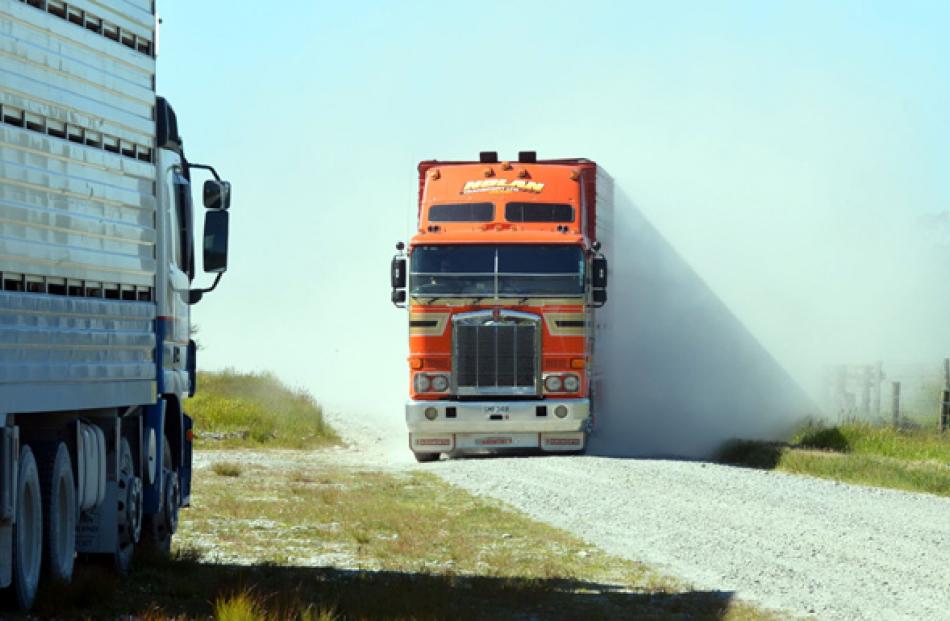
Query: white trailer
[96, 265]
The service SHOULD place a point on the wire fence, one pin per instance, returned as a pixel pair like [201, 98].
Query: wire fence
[907, 395]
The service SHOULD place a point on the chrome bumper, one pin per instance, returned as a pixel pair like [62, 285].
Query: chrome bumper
[498, 424]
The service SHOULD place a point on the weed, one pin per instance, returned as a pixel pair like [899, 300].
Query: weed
[912, 459]
[227, 468]
[824, 438]
[240, 607]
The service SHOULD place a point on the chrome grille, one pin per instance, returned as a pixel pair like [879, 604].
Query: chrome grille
[496, 353]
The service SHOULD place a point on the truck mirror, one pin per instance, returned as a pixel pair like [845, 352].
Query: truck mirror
[217, 194]
[397, 273]
[599, 296]
[216, 241]
[399, 296]
[599, 275]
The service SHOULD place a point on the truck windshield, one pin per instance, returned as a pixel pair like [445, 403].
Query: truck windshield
[497, 271]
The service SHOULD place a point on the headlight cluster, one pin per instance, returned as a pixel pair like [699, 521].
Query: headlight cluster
[424, 382]
[562, 383]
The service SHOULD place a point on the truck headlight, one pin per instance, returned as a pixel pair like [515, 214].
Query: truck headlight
[552, 383]
[440, 383]
[571, 383]
[421, 382]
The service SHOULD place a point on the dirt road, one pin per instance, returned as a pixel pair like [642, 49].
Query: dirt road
[807, 546]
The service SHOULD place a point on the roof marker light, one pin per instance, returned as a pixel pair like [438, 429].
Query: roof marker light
[506, 166]
[435, 175]
[575, 175]
[489, 172]
[523, 173]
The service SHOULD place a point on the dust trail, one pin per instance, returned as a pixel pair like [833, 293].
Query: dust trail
[679, 373]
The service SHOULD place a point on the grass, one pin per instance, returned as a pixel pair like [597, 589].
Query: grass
[322, 542]
[238, 410]
[227, 469]
[911, 459]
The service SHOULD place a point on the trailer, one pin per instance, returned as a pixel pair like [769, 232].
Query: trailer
[97, 263]
[501, 281]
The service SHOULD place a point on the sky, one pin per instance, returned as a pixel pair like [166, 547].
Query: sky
[789, 153]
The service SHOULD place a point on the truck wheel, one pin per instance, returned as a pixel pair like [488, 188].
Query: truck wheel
[27, 531]
[158, 528]
[129, 518]
[59, 508]
[426, 457]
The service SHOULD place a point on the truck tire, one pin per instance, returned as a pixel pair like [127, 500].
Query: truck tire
[157, 529]
[129, 518]
[27, 531]
[423, 458]
[59, 511]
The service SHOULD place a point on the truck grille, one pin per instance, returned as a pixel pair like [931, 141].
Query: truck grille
[496, 353]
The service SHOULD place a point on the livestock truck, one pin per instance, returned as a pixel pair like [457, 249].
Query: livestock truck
[501, 280]
[97, 261]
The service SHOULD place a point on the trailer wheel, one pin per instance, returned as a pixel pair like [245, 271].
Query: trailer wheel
[59, 508]
[27, 531]
[129, 518]
[423, 458]
[159, 528]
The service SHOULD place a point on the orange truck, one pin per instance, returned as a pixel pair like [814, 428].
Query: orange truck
[501, 281]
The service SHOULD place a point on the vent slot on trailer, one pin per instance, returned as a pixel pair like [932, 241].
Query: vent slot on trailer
[93, 23]
[18, 117]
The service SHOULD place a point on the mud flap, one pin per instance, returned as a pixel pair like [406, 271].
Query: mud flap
[8, 468]
[184, 473]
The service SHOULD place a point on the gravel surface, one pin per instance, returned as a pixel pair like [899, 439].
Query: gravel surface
[807, 546]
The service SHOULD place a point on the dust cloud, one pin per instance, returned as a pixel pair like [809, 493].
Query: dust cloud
[680, 371]
[677, 372]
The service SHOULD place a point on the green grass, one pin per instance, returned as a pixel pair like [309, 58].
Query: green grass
[319, 541]
[234, 410]
[913, 459]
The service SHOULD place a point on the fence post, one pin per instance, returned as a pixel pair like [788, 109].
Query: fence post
[944, 420]
[896, 403]
[944, 411]
[866, 391]
[876, 389]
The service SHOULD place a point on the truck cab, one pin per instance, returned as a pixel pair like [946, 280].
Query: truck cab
[501, 281]
[97, 276]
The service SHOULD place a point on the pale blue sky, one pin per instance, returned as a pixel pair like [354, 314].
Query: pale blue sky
[777, 146]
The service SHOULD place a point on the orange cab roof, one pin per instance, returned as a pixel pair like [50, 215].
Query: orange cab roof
[557, 182]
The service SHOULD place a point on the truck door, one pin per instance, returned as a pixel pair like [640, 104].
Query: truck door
[180, 254]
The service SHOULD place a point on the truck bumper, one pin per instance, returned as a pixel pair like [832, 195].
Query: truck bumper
[479, 425]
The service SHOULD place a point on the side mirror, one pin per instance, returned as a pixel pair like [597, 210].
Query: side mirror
[599, 296]
[216, 242]
[217, 194]
[397, 273]
[599, 273]
[399, 296]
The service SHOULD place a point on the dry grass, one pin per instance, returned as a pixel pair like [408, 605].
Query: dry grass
[238, 410]
[323, 542]
[227, 469]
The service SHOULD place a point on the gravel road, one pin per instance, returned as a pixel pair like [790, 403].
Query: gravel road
[807, 546]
